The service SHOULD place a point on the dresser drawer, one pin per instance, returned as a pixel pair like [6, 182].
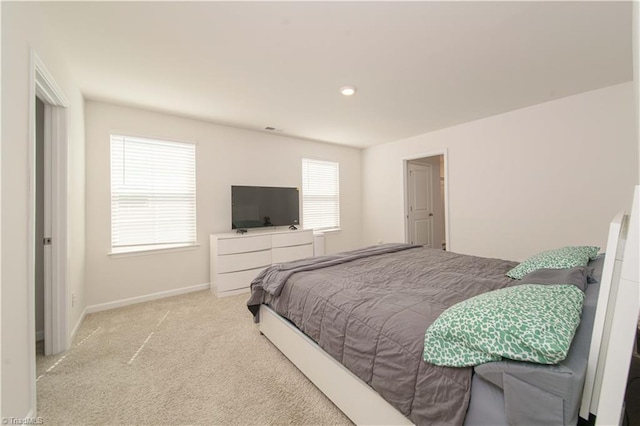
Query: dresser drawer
[236, 280]
[236, 259]
[243, 261]
[244, 244]
[285, 254]
[292, 239]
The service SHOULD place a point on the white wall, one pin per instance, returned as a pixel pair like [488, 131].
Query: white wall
[636, 68]
[23, 28]
[225, 156]
[540, 177]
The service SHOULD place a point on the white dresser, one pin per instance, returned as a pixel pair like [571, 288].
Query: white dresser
[236, 259]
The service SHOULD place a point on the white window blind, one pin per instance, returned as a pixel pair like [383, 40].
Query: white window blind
[320, 194]
[153, 192]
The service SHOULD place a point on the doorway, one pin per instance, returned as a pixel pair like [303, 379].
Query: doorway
[47, 164]
[54, 245]
[426, 201]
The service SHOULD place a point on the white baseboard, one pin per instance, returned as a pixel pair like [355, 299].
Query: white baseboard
[77, 326]
[139, 299]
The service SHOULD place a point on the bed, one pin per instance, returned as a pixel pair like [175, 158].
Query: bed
[354, 323]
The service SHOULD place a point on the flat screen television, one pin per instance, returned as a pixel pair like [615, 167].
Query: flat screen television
[264, 206]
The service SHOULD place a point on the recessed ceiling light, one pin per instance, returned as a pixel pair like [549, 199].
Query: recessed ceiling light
[348, 90]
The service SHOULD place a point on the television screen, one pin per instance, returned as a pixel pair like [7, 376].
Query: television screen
[264, 206]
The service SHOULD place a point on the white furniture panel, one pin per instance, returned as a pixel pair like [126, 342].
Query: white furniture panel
[243, 261]
[236, 280]
[295, 238]
[236, 259]
[285, 254]
[318, 244]
[243, 245]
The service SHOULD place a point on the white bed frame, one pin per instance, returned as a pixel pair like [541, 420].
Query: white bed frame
[609, 356]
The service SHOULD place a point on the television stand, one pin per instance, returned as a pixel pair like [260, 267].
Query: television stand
[236, 259]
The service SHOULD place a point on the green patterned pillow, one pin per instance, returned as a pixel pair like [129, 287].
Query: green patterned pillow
[591, 251]
[562, 258]
[528, 322]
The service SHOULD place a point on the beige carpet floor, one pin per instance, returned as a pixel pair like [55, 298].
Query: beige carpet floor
[190, 359]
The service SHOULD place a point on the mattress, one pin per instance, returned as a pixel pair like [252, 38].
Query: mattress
[371, 313]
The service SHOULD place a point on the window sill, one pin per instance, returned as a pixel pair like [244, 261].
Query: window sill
[146, 250]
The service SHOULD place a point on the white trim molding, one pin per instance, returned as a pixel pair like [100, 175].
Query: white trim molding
[46, 87]
[83, 315]
[145, 298]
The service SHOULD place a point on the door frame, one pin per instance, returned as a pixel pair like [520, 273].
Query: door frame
[405, 185]
[43, 86]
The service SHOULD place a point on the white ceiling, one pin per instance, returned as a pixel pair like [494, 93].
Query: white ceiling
[418, 66]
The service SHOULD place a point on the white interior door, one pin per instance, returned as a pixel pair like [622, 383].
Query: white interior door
[420, 206]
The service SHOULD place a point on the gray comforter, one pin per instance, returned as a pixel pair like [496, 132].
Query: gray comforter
[371, 313]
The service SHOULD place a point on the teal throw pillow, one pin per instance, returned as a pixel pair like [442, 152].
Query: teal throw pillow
[528, 322]
[562, 258]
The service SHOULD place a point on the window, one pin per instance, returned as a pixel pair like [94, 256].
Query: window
[320, 195]
[153, 194]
